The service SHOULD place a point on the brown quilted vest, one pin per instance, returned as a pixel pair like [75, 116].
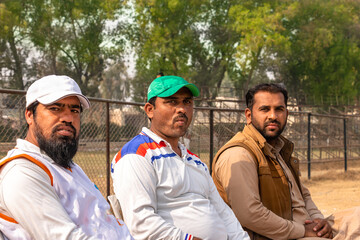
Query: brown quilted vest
[273, 184]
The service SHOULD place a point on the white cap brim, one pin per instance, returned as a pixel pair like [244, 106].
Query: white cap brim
[51, 89]
[50, 99]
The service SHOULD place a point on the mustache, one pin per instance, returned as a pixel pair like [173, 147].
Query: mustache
[267, 123]
[181, 115]
[65, 124]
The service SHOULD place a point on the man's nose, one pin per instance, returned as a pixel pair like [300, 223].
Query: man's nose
[180, 107]
[67, 116]
[272, 114]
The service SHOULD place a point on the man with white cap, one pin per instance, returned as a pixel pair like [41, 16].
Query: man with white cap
[43, 193]
[166, 191]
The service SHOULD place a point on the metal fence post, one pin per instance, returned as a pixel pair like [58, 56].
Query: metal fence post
[345, 146]
[309, 146]
[107, 149]
[211, 123]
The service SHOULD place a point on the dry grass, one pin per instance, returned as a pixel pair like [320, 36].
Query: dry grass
[333, 189]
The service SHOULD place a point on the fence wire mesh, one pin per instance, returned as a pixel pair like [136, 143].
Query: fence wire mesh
[108, 125]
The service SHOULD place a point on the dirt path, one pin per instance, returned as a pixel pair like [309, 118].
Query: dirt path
[333, 190]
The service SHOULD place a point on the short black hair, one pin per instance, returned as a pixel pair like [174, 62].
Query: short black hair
[152, 100]
[32, 107]
[266, 87]
[160, 74]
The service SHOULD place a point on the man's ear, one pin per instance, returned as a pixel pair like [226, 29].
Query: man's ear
[149, 110]
[29, 117]
[248, 115]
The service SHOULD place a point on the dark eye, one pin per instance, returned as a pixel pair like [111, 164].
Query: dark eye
[54, 109]
[75, 110]
[280, 109]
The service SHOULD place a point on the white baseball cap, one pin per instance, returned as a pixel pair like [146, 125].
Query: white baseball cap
[52, 88]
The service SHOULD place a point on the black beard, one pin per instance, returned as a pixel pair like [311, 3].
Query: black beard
[61, 149]
[263, 132]
[270, 138]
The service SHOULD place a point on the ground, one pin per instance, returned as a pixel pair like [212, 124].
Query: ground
[332, 189]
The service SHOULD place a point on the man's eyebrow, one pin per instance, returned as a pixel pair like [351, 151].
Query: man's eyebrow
[172, 97]
[63, 105]
[58, 104]
[262, 106]
[75, 106]
[267, 106]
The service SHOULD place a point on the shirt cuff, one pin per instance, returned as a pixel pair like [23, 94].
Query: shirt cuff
[188, 236]
[317, 215]
[298, 231]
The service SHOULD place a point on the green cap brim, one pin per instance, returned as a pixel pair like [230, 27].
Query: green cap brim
[166, 86]
[167, 93]
[193, 89]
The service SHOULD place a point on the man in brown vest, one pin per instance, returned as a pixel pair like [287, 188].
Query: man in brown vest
[258, 178]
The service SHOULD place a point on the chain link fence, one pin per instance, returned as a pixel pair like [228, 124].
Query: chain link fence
[108, 125]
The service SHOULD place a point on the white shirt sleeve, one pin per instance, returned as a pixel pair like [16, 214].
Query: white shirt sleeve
[27, 195]
[234, 229]
[135, 183]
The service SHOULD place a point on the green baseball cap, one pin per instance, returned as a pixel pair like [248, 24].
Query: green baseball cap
[168, 85]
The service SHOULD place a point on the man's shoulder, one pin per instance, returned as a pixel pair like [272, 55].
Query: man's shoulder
[239, 142]
[17, 157]
[191, 154]
[22, 170]
[139, 145]
[134, 144]
[17, 163]
[236, 154]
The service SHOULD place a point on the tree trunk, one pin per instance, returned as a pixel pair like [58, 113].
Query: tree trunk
[18, 72]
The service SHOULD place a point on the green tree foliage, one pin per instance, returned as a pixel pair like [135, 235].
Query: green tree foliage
[69, 36]
[259, 23]
[203, 41]
[213, 54]
[324, 58]
[312, 45]
[161, 38]
[74, 41]
[13, 50]
[192, 39]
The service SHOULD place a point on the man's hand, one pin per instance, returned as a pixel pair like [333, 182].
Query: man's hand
[195, 238]
[318, 228]
[322, 228]
[309, 229]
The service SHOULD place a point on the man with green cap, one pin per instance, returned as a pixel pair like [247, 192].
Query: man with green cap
[165, 191]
